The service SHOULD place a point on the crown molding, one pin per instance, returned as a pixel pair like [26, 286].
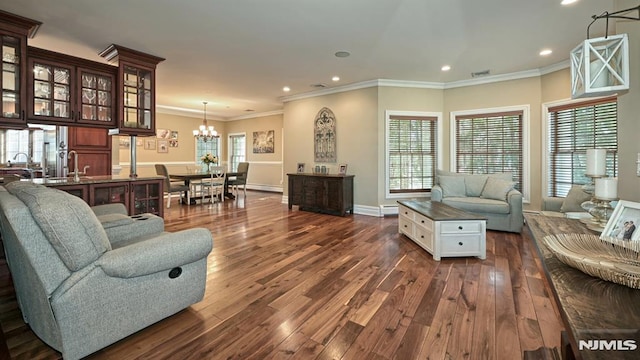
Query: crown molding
[256, 115]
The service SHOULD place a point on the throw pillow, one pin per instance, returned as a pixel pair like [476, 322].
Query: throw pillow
[452, 186]
[574, 198]
[497, 188]
[475, 184]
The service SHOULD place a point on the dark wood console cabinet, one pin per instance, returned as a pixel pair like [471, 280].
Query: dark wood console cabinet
[330, 194]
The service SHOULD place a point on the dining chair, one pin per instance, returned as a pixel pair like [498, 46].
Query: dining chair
[214, 185]
[241, 179]
[172, 187]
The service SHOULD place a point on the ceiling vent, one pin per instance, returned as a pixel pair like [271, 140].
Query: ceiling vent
[319, 85]
[480, 73]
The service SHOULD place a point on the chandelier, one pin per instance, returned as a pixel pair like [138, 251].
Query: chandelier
[205, 132]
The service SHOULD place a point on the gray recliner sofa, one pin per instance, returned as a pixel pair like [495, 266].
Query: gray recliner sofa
[83, 283]
[491, 195]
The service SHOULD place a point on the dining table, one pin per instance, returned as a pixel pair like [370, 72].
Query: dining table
[189, 176]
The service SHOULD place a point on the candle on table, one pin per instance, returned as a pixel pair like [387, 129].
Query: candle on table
[607, 188]
[596, 162]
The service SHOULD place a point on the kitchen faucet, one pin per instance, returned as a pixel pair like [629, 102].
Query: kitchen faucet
[76, 173]
[27, 163]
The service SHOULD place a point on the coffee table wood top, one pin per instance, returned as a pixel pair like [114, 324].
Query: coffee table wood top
[438, 211]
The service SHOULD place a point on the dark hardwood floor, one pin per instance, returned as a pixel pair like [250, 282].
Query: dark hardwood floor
[297, 285]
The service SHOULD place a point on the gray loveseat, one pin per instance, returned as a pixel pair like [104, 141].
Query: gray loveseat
[492, 196]
[83, 283]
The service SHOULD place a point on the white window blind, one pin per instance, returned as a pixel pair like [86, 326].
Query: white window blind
[574, 128]
[411, 153]
[490, 143]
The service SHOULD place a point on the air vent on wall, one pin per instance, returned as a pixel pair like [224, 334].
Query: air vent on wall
[480, 73]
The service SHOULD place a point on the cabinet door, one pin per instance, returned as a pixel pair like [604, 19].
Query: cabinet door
[109, 193]
[314, 193]
[146, 197]
[51, 93]
[93, 146]
[295, 190]
[138, 99]
[97, 98]
[13, 90]
[334, 195]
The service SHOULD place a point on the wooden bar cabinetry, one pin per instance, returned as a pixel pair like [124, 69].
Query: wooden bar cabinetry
[330, 194]
[141, 195]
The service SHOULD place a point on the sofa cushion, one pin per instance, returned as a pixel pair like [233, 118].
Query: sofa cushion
[575, 197]
[478, 205]
[474, 184]
[452, 186]
[66, 220]
[112, 220]
[497, 188]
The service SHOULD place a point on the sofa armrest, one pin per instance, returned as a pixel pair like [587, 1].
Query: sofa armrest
[139, 226]
[161, 253]
[115, 208]
[550, 203]
[436, 193]
[514, 198]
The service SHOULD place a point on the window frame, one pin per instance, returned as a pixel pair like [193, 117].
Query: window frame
[546, 174]
[217, 153]
[232, 165]
[438, 146]
[526, 151]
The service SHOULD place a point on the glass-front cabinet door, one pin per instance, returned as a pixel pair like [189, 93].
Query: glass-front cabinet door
[97, 97]
[12, 76]
[14, 31]
[138, 83]
[51, 90]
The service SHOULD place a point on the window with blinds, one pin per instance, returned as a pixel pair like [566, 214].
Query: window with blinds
[574, 128]
[490, 143]
[237, 151]
[411, 153]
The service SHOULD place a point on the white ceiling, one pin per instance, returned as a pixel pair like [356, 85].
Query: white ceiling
[238, 54]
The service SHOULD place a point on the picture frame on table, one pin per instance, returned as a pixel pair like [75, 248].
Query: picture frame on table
[300, 168]
[624, 222]
[342, 169]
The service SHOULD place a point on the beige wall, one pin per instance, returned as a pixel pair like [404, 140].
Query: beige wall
[177, 158]
[629, 113]
[357, 133]
[265, 170]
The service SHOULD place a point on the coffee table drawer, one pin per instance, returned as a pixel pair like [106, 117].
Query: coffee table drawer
[461, 227]
[461, 245]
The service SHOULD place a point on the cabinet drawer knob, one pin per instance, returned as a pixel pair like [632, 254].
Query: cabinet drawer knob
[460, 243]
[405, 226]
[422, 221]
[460, 227]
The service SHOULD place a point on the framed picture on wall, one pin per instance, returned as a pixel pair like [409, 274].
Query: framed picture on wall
[163, 146]
[150, 144]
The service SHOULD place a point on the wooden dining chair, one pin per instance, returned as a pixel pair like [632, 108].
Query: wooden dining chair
[214, 185]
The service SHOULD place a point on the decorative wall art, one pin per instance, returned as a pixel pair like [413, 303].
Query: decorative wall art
[150, 144]
[163, 146]
[324, 135]
[263, 142]
[163, 133]
[124, 142]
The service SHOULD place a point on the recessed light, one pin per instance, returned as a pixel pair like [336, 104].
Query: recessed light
[336, 78]
[545, 52]
[568, 2]
[445, 68]
[342, 54]
[286, 89]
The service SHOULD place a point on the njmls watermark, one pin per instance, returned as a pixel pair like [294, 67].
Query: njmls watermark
[608, 345]
[609, 340]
